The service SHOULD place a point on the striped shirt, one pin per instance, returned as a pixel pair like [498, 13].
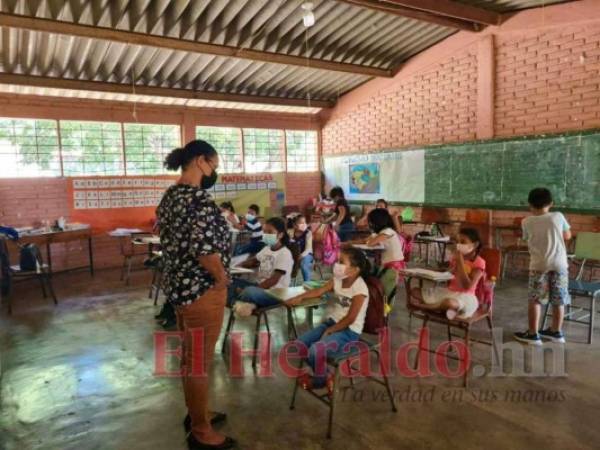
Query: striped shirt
[255, 228]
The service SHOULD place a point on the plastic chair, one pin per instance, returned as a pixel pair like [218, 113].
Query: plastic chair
[336, 364]
[13, 273]
[485, 295]
[587, 248]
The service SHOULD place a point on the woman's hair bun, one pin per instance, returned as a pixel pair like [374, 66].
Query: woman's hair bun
[175, 159]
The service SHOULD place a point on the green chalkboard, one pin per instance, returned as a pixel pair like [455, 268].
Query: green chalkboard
[501, 173]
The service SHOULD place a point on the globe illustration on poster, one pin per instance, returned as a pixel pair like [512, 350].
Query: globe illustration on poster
[364, 178]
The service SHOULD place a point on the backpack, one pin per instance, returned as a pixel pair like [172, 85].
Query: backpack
[375, 316]
[331, 246]
[407, 245]
[29, 258]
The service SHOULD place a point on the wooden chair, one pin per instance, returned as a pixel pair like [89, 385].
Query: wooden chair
[13, 273]
[157, 276]
[484, 312]
[587, 249]
[518, 247]
[372, 347]
[132, 247]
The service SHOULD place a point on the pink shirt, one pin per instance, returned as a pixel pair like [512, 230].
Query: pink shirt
[479, 263]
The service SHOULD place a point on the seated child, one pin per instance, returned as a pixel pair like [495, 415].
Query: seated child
[382, 225]
[363, 222]
[228, 212]
[458, 299]
[345, 317]
[302, 237]
[275, 264]
[251, 224]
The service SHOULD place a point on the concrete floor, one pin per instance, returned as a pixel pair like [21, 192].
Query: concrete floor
[80, 376]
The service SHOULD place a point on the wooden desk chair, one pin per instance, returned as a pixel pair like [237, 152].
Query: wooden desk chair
[432, 219]
[587, 249]
[485, 296]
[13, 273]
[132, 247]
[157, 276]
[371, 346]
[518, 247]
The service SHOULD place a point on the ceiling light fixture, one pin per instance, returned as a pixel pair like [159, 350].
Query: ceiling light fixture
[308, 18]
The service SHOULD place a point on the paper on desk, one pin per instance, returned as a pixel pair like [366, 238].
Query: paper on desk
[124, 231]
[237, 260]
[430, 274]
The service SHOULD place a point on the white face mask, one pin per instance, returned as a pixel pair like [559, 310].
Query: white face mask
[302, 227]
[465, 249]
[250, 217]
[270, 239]
[339, 271]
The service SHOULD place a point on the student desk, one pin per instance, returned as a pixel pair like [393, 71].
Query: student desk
[57, 237]
[285, 294]
[441, 243]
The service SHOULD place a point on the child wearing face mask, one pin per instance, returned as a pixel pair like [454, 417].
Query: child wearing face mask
[302, 237]
[228, 213]
[458, 299]
[345, 316]
[275, 263]
[252, 225]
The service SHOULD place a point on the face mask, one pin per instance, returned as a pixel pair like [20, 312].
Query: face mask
[208, 181]
[270, 239]
[465, 249]
[339, 271]
[302, 227]
[250, 217]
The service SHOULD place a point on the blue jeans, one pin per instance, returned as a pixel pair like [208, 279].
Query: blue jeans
[251, 293]
[345, 231]
[306, 266]
[252, 247]
[334, 343]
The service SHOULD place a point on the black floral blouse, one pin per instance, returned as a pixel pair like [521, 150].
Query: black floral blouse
[191, 225]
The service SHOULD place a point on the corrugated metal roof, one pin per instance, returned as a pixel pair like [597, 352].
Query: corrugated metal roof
[342, 33]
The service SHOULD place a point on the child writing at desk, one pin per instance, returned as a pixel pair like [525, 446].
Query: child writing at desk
[275, 263]
[458, 299]
[345, 317]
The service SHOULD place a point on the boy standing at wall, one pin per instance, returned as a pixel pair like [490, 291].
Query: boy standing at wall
[545, 233]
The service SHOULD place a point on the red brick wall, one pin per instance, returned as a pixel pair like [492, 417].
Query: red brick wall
[548, 81]
[544, 70]
[29, 201]
[436, 105]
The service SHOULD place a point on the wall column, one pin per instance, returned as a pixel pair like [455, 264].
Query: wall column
[485, 88]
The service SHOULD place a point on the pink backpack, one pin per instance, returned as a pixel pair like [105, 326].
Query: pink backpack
[407, 244]
[331, 246]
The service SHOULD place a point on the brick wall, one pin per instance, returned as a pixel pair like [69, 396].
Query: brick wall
[437, 105]
[548, 81]
[25, 202]
[539, 72]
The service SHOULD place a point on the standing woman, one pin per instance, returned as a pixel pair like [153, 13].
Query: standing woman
[343, 221]
[196, 241]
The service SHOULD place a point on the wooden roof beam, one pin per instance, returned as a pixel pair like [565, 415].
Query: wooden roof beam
[121, 88]
[440, 12]
[151, 40]
[450, 8]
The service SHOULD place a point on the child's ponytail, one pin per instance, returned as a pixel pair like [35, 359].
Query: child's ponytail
[359, 259]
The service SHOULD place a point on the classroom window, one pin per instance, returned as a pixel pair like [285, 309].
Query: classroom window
[146, 147]
[263, 150]
[29, 148]
[228, 143]
[302, 151]
[91, 148]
